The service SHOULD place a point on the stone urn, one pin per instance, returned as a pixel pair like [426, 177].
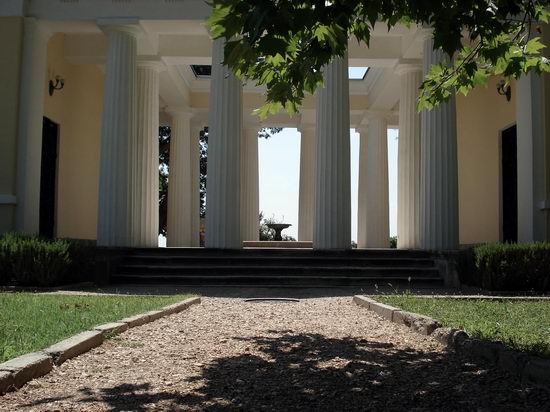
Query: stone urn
[278, 228]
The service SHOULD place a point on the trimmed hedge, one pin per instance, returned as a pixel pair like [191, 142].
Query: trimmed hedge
[513, 266]
[34, 261]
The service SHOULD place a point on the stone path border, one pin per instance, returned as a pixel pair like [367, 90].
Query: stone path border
[18, 371]
[526, 368]
[46, 289]
[496, 298]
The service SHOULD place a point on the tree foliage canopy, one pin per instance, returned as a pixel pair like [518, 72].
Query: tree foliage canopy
[283, 44]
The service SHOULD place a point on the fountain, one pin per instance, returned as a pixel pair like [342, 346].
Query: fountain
[278, 228]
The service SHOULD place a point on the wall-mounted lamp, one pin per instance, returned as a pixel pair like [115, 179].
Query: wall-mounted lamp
[504, 89]
[57, 85]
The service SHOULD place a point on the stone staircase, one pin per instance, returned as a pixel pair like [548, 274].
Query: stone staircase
[278, 267]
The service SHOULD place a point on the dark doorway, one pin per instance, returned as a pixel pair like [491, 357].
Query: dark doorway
[509, 185]
[48, 177]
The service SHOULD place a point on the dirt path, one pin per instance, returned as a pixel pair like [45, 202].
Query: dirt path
[318, 354]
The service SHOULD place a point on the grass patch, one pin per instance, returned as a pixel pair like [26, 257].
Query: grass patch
[30, 322]
[523, 326]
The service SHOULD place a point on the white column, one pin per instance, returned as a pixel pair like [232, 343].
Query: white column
[178, 226]
[118, 139]
[531, 149]
[438, 168]
[223, 227]
[146, 218]
[408, 163]
[373, 224]
[29, 140]
[250, 185]
[332, 228]
[195, 185]
[306, 204]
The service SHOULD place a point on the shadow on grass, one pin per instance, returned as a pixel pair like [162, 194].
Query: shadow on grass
[287, 371]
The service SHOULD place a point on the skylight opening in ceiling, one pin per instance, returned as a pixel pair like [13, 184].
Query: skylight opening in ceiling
[357, 73]
[202, 71]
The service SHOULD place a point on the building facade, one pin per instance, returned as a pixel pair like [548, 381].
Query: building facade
[86, 84]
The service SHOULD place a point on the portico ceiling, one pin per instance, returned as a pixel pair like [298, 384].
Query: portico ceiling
[180, 43]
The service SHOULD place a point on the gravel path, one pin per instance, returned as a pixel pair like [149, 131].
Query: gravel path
[318, 354]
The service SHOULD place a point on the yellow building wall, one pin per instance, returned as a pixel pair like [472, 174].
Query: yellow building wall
[481, 116]
[78, 111]
[11, 41]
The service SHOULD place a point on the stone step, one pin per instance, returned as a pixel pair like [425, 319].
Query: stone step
[152, 260]
[278, 280]
[248, 252]
[262, 271]
[280, 267]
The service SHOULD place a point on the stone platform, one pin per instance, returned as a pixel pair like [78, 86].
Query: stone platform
[279, 244]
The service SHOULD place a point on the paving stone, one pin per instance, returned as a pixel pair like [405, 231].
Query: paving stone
[425, 325]
[512, 362]
[74, 346]
[537, 371]
[363, 301]
[386, 311]
[180, 306]
[155, 314]
[420, 324]
[444, 335]
[488, 351]
[6, 381]
[136, 320]
[27, 367]
[113, 328]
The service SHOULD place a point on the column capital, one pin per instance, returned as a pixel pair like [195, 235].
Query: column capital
[405, 66]
[195, 125]
[361, 129]
[378, 115]
[151, 62]
[124, 25]
[180, 111]
[43, 32]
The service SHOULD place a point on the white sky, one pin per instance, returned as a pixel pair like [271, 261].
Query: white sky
[279, 163]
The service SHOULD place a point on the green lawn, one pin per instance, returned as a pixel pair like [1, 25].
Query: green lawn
[523, 325]
[30, 322]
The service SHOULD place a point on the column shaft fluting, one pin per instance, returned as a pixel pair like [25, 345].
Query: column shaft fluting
[118, 139]
[178, 227]
[250, 185]
[373, 208]
[146, 218]
[195, 186]
[332, 228]
[29, 140]
[439, 169]
[223, 228]
[408, 164]
[306, 204]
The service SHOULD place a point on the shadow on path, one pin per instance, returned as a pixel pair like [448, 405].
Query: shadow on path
[287, 371]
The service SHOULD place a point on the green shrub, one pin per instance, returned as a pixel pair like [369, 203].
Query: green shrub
[393, 242]
[33, 261]
[521, 266]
